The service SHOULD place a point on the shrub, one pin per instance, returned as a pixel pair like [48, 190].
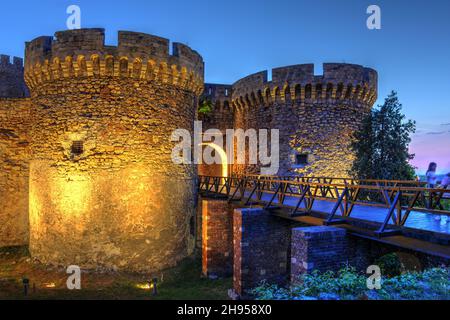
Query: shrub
[390, 265]
[205, 107]
[347, 284]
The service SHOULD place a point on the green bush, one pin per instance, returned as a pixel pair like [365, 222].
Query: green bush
[446, 205]
[347, 284]
[205, 107]
[390, 265]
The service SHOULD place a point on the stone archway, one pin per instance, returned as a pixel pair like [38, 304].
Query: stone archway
[213, 170]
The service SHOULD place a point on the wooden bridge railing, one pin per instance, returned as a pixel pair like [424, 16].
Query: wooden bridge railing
[399, 198]
[337, 180]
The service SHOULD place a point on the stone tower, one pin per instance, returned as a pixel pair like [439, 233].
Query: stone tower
[12, 84]
[104, 191]
[14, 152]
[316, 114]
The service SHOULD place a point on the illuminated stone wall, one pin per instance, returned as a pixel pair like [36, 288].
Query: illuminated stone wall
[14, 154]
[221, 118]
[210, 170]
[104, 191]
[316, 115]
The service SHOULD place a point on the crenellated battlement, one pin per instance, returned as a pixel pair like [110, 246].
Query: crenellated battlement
[12, 84]
[83, 53]
[349, 83]
[6, 63]
[219, 94]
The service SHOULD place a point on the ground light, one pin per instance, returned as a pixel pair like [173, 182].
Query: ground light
[150, 285]
[144, 286]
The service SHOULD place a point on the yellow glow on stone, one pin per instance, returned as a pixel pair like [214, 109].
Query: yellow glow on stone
[34, 210]
[222, 155]
[50, 285]
[75, 195]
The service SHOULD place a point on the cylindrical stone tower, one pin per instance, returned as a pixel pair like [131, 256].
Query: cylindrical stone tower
[316, 115]
[104, 191]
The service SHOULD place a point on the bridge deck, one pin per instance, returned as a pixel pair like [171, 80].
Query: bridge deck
[417, 220]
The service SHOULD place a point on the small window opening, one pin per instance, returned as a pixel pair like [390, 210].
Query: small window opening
[301, 159]
[308, 91]
[77, 148]
[226, 92]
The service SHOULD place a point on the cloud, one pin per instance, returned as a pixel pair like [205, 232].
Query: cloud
[445, 124]
[436, 133]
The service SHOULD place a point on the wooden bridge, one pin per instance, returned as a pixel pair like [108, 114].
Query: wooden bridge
[401, 213]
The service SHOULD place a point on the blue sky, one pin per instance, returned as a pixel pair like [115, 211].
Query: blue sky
[236, 38]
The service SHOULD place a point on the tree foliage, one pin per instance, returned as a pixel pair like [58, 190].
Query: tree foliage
[205, 107]
[381, 145]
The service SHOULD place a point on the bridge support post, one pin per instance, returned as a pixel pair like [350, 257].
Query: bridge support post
[261, 249]
[217, 238]
[319, 248]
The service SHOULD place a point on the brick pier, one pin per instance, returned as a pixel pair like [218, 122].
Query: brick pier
[317, 248]
[261, 249]
[217, 238]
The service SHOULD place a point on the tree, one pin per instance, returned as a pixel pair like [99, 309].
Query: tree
[205, 107]
[381, 145]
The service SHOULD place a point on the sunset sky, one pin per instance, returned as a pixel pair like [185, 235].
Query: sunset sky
[238, 37]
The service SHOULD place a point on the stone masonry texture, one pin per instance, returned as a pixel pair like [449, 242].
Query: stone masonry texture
[261, 249]
[317, 248]
[15, 110]
[12, 82]
[217, 238]
[14, 171]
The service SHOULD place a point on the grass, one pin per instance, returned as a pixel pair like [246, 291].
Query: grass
[180, 283]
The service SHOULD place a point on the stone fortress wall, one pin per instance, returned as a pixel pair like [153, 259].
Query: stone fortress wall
[86, 173]
[221, 118]
[14, 170]
[12, 84]
[103, 189]
[14, 152]
[316, 114]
